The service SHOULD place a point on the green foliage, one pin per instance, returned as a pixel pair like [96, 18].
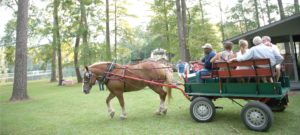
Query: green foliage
[199, 31]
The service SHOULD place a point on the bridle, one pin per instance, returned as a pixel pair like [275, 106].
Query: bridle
[100, 78]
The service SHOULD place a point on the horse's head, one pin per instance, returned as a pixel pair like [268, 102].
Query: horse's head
[95, 72]
[89, 79]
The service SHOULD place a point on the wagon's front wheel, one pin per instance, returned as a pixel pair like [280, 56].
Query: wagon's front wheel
[257, 116]
[202, 109]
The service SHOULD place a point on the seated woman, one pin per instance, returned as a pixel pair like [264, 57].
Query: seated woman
[225, 55]
[243, 49]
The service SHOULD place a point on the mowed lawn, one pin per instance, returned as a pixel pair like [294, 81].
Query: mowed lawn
[66, 110]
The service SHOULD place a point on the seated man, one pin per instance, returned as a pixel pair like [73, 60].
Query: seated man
[267, 41]
[209, 54]
[261, 51]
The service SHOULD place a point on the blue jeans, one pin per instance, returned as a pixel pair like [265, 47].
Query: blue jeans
[101, 86]
[202, 72]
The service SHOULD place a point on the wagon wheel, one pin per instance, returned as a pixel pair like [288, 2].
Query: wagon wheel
[278, 105]
[257, 116]
[202, 109]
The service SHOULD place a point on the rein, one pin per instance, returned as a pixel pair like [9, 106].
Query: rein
[141, 68]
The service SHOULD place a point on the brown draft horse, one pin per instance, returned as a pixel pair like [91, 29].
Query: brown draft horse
[148, 70]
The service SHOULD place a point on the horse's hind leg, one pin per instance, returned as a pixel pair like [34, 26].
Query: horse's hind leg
[122, 104]
[110, 109]
[162, 94]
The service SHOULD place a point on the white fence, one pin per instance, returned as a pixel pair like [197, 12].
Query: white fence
[31, 75]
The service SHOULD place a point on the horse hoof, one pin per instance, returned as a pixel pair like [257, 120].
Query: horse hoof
[157, 113]
[112, 114]
[165, 111]
[123, 117]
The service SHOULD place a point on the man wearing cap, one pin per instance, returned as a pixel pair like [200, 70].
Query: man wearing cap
[209, 54]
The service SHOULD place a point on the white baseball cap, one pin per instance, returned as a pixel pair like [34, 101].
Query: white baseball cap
[207, 45]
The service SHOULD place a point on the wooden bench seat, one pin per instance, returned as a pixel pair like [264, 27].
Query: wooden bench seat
[227, 70]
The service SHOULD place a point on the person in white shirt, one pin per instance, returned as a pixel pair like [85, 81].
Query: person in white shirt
[261, 51]
[243, 49]
[267, 41]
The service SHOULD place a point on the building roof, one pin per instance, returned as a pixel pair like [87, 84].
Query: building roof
[279, 31]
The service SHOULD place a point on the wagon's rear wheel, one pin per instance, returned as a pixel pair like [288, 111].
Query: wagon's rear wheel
[202, 109]
[257, 116]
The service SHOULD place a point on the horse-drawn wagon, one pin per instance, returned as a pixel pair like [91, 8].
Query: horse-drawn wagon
[263, 98]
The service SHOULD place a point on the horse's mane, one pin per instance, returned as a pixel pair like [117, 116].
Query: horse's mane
[98, 63]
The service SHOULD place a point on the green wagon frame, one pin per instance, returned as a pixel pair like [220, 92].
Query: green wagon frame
[263, 98]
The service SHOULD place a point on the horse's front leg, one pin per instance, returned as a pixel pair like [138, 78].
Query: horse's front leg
[110, 109]
[122, 104]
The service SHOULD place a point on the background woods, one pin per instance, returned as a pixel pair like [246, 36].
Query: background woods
[61, 36]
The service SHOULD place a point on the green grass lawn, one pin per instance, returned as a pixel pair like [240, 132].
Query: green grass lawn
[67, 111]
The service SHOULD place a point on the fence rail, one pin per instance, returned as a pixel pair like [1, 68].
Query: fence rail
[31, 75]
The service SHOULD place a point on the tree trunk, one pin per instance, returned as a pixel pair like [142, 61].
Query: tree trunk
[166, 26]
[54, 52]
[20, 73]
[256, 13]
[58, 44]
[180, 30]
[281, 11]
[76, 64]
[53, 62]
[108, 51]
[185, 32]
[202, 11]
[221, 21]
[116, 56]
[244, 17]
[268, 11]
[296, 5]
[262, 12]
[84, 34]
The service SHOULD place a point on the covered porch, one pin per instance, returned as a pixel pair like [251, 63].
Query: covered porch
[286, 34]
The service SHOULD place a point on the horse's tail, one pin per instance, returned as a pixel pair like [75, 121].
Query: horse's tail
[169, 76]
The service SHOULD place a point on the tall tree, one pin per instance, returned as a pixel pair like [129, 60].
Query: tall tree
[54, 52]
[256, 13]
[20, 76]
[202, 11]
[76, 50]
[268, 10]
[281, 11]
[84, 33]
[296, 5]
[116, 30]
[57, 39]
[181, 31]
[185, 30]
[107, 35]
[243, 14]
[53, 62]
[166, 22]
[221, 21]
